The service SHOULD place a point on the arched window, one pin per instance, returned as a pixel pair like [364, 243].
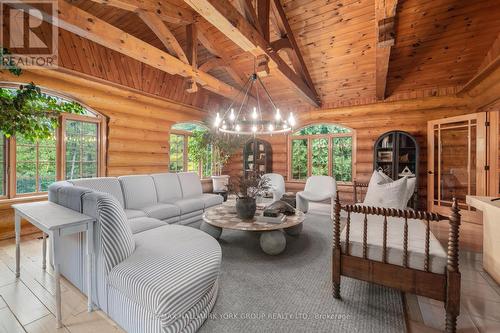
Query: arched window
[321, 149]
[76, 150]
[184, 139]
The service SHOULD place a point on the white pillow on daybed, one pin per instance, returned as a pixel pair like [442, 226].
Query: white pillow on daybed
[383, 192]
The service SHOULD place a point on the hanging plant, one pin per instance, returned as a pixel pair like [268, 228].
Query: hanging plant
[29, 112]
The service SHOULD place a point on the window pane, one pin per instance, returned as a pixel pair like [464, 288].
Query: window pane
[46, 176]
[342, 159]
[81, 149]
[191, 163]
[3, 184]
[319, 157]
[299, 159]
[25, 177]
[207, 163]
[176, 153]
[322, 129]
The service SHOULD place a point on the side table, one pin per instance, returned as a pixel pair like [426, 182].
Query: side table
[56, 221]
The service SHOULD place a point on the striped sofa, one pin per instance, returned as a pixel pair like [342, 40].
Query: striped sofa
[151, 274]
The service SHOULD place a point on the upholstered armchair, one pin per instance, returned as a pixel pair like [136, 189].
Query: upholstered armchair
[277, 185]
[317, 189]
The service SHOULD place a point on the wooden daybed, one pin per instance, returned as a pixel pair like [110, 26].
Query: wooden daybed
[395, 248]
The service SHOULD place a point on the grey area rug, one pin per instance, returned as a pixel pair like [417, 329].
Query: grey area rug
[291, 292]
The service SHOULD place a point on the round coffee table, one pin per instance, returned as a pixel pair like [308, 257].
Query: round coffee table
[272, 238]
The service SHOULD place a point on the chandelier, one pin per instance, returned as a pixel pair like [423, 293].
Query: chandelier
[247, 118]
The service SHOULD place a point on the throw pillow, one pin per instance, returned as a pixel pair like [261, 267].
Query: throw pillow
[388, 195]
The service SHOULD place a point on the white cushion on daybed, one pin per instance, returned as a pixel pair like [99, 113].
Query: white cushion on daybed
[395, 249]
[381, 193]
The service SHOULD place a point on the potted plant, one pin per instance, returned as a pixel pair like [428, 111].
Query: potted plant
[215, 146]
[247, 190]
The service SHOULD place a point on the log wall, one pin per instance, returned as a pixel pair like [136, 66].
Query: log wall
[369, 122]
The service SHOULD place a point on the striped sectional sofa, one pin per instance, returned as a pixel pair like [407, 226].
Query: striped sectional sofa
[151, 273]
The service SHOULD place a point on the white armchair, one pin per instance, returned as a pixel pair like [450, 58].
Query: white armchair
[318, 188]
[277, 185]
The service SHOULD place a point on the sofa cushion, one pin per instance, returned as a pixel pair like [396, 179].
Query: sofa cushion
[395, 248]
[211, 200]
[190, 184]
[162, 211]
[138, 191]
[54, 188]
[171, 270]
[109, 185]
[116, 236]
[141, 224]
[134, 213]
[189, 205]
[168, 187]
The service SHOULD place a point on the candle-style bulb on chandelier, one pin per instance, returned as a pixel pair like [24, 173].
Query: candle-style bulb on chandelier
[249, 118]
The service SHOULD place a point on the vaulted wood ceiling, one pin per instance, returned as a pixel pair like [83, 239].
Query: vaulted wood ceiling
[433, 47]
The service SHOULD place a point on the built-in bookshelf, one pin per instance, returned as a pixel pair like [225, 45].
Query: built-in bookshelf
[396, 153]
[257, 157]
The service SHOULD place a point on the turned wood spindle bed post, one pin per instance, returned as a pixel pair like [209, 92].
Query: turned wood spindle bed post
[452, 304]
[336, 249]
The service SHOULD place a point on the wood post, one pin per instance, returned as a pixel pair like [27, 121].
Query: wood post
[452, 304]
[336, 248]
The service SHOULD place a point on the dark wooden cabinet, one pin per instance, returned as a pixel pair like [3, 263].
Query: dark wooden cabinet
[396, 153]
[257, 157]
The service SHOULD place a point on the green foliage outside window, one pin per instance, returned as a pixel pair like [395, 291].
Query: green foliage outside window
[35, 164]
[342, 159]
[2, 165]
[319, 158]
[81, 149]
[176, 153]
[341, 152]
[299, 159]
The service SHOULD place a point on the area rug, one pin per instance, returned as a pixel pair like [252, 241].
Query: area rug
[291, 292]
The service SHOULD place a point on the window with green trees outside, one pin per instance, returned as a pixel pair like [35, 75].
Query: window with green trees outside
[182, 157]
[322, 149]
[36, 166]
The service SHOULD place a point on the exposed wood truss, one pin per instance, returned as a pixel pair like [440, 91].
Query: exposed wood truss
[156, 24]
[385, 13]
[89, 26]
[236, 27]
[166, 11]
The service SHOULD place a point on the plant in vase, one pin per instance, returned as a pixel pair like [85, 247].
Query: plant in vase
[247, 190]
[217, 147]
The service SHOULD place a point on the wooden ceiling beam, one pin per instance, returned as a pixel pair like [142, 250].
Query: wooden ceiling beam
[263, 11]
[192, 55]
[220, 63]
[222, 15]
[156, 24]
[385, 13]
[296, 57]
[165, 10]
[86, 25]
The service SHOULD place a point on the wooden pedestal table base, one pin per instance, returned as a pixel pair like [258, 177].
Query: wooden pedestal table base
[272, 236]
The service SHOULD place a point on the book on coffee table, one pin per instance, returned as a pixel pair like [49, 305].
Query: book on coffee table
[268, 219]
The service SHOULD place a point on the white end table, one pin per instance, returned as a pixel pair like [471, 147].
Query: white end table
[56, 221]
